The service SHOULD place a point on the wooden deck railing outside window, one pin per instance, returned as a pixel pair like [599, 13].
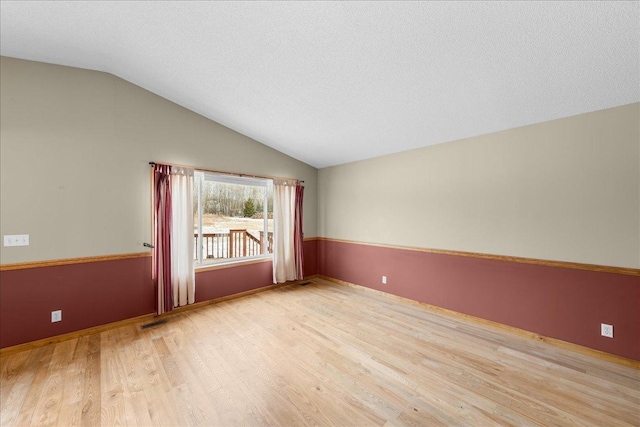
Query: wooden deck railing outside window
[238, 243]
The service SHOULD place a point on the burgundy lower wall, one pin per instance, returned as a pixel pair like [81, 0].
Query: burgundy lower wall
[223, 282]
[96, 293]
[89, 294]
[310, 248]
[232, 280]
[562, 303]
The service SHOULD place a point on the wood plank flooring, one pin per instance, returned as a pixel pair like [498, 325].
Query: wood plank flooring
[322, 354]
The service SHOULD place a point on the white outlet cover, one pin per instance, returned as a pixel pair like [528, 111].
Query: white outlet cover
[606, 330]
[56, 316]
[384, 280]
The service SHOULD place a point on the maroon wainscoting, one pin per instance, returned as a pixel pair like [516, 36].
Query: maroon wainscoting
[310, 248]
[89, 294]
[96, 293]
[562, 303]
[232, 280]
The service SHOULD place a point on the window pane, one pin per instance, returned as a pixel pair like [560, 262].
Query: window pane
[233, 220]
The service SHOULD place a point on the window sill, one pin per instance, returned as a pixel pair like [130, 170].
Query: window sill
[231, 263]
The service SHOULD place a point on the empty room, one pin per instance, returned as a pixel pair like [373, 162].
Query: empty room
[319, 213]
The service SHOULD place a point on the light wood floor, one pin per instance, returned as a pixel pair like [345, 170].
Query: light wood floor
[322, 354]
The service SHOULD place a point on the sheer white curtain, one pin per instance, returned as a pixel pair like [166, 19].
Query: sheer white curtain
[284, 262]
[182, 245]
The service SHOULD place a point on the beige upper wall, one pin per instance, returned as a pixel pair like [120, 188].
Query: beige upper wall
[566, 190]
[74, 174]
[74, 152]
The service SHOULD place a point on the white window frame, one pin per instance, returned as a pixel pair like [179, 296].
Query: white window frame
[199, 178]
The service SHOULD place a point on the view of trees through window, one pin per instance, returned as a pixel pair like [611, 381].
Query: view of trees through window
[236, 217]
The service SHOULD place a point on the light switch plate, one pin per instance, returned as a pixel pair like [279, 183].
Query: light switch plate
[16, 240]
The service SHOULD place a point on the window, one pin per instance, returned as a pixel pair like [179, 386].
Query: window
[233, 217]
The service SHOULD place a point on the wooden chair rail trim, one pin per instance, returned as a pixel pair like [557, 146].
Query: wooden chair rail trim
[522, 260]
[68, 261]
[145, 318]
[521, 332]
[81, 260]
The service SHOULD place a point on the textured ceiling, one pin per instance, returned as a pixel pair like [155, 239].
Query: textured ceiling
[333, 82]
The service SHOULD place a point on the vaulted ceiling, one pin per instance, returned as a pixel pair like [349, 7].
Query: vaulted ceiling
[334, 82]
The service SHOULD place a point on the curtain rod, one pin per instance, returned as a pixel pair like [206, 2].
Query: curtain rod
[225, 172]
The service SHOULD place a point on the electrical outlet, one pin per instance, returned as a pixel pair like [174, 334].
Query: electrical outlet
[384, 280]
[56, 316]
[606, 330]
